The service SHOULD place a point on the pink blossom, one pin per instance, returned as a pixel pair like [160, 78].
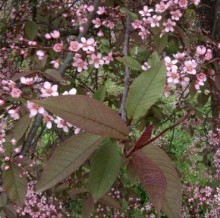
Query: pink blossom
[26, 80]
[40, 54]
[97, 22]
[48, 119]
[72, 91]
[145, 66]
[200, 50]
[154, 20]
[88, 45]
[16, 93]
[34, 109]
[108, 59]
[146, 12]
[183, 3]
[2, 102]
[63, 124]
[90, 8]
[80, 64]
[208, 55]
[96, 60]
[196, 2]
[170, 63]
[55, 63]
[58, 47]
[190, 67]
[49, 90]
[137, 24]
[47, 36]
[172, 77]
[55, 34]
[169, 25]
[160, 8]
[14, 113]
[101, 10]
[175, 15]
[75, 46]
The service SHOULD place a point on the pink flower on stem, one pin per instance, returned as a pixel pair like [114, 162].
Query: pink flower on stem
[169, 25]
[58, 47]
[97, 22]
[34, 109]
[172, 77]
[55, 34]
[146, 12]
[170, 63]
[62, 124]
[14, 113]
[15, 93]
[55, 63]
[48, 120]
[75, 46]
[49, 90]
[96, 60]
[80, 64]
[88, 45]
[175, 15]
[40, 54]
[183, 3]
[154, 21]
[72, 91]
[27, 81]
[200, 50]
[208, 55]
[190, 67]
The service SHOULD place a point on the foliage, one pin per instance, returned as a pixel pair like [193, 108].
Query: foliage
[103, 105]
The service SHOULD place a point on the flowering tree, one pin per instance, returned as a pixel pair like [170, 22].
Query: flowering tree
[87, 88]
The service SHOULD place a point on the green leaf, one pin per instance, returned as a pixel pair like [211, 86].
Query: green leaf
[67, 158]
[88, 114]
[21, 127]
[15, 184]
[100, 94]
[10, 211]
[130, 62]
[151, 177]
[173, 196]
[3, 199]
[105, 166]
[146, 89]
[53, 75]
[160, 42]
[31, 29]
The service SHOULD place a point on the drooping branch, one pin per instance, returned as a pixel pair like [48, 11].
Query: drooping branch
[127, 70]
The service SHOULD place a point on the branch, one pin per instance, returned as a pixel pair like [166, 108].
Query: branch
[31, 134]
[127, 70]
[86, 27]
[160, 134]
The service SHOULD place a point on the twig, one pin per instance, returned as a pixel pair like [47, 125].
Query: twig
[164, 131]
[127, 70]
[86, 27]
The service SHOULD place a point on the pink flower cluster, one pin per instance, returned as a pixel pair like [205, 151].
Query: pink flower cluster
[152, 17]
[38, 205]
[183, 69]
